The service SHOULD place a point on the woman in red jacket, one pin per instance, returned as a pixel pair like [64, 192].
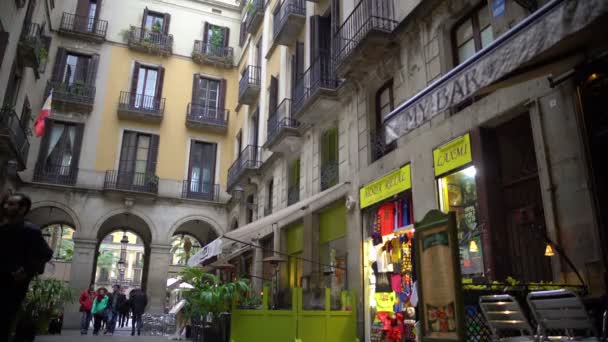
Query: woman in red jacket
[86, 303]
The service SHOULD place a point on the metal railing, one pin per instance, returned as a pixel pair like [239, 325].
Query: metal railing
[150, 40]
[320, 75]
[145, 182]
[379, 147]
[31, 32]
[82, 24]
[281, 119]
[293, 194]
[200, 114]
[194, 189]
[287, 8]
[250, 158]
[217, 53]
[329, 174]
[250, 77]
[139, 103]
[55, 174]
[79, 93]
[255, 14]
[11, 128]
[367, 16]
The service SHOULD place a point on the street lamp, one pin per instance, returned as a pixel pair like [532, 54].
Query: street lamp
[123, 256]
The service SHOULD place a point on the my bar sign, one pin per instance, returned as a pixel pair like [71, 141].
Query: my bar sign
[385, 187]
[452, 155]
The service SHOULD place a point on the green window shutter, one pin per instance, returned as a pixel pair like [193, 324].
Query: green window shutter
[294, 172]
[332, 223]
[295, 239]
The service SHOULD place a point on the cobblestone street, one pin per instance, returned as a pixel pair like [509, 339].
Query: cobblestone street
[120, 336]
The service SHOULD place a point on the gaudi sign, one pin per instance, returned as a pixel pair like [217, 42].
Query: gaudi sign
[452, 155]
[385, 187]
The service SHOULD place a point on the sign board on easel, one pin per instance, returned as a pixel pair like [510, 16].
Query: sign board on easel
[439, 280]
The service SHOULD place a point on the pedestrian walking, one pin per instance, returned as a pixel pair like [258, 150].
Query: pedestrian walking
[114, 302]
[23, 257]
[123, 310]
[99, 309]
[137, 301]
[86, 304]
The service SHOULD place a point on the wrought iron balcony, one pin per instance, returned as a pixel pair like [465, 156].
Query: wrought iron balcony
[144, 182]
[76, 96]
[364, 35]
[207, 53]
[205, 117]
[249, 85]
[293, 194]
[55, 174]
[140, 107]
[329, 175]
[88, 28]
[249, 160]
[13, 138]
[30, 49]
[283, 130]
[150, 41]
[193, 189]
[255, 15]
[288, 21]
[379, 147]
[315, 92]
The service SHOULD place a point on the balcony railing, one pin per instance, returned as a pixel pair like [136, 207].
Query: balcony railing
[205, 116]
[30, 45]
[84, 26]
[147, 107]
[75, 93]
[329, 175]
[321, 75]
[281, 119]
[250, 158]
[379, 147]
[55, 174]
[194, 189]
[144, 182]
[368, 15]
[150, 41]
[293, 194]
[255, 15]
[249, 85]
[281, 22]
[209, 53]
[13, 136]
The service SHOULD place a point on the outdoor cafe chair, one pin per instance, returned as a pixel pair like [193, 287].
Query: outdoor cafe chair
[506, 318]
[561, 311]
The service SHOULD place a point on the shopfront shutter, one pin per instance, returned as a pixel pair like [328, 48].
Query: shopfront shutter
[92, 69]
[59, 68]
[332, 223]
[152, 154]
[76, 149]
[166, 23]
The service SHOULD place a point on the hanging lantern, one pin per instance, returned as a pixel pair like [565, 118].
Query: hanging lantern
[473, 247]
[549, 250]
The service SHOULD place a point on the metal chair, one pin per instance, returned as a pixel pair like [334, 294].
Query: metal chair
[561, 311]
[505, 317]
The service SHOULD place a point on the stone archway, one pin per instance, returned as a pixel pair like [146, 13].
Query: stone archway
[200, 230]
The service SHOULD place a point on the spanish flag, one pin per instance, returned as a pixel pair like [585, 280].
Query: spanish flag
[45, 112]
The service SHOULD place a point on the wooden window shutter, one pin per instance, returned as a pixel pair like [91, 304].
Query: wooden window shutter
[192, 160]
[143, 20]
[98, 9]
[44, 144]
[274, 95]
[3, 44]
[153, 154]
[134, 80]
[82, 8]
[59, 68]
[222, 96]
[159, 83]
[76, 149]
[195, 88]
[226, 36]
[242, 34]
[82, 69]
[211, 159]
[299, 59]
[166, 23]
[127, 152]
[294, 78]
[92, 70]
[206, 33]
[314, 37]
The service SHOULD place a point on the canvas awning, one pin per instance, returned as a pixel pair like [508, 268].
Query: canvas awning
[212, 249]
[540, 38]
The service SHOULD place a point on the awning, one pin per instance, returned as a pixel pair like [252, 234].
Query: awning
[538, 34]
[209, 251]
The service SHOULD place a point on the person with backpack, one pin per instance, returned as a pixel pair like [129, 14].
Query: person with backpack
[99, 309]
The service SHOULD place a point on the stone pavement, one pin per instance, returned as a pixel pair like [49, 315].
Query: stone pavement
[121, 335]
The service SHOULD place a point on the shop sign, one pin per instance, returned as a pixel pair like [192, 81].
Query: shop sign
[452, 155]
[439, 284]
[209, 251]
[385, 187]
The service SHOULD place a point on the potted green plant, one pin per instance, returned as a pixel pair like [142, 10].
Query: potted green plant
[212, 300]
[45, 301]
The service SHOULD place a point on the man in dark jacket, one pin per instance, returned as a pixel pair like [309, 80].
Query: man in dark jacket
[116, 300]
[24, 254]
[137, 301]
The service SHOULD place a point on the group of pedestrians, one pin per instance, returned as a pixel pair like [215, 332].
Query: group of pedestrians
[111, 309]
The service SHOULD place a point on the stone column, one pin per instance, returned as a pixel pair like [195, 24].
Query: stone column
[158, 272]
[81, 276]
[256, 281]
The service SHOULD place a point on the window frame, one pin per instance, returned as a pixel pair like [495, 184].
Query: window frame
[473, 15]
[388, 85]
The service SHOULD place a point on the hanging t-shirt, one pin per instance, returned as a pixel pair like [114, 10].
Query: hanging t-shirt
[386, 216]
[385, 301]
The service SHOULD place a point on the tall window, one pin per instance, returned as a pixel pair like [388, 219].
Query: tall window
[384, 105]
[250, 208]
[60, 149]
[270, 193]
[207, 94]
[147, 79]
[76, 69]
[239, 143]
[202, 168]
[215, 37]
[293, 191]
[154, 21]
[73, 69]
[329, 158]
[473, 33]
[12, 90]
[92, 15]
[137, 158]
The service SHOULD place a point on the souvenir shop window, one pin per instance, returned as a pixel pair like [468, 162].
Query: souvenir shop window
[458, 193]
[389, 256]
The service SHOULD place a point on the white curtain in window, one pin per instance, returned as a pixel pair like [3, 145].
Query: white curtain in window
[54, 138]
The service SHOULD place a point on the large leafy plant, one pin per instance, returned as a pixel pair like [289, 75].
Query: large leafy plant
[210, 295]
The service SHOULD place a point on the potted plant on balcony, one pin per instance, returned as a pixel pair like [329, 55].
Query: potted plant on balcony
[211, 300]
[157, 27]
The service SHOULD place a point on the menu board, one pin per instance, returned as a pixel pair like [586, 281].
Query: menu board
[440, 289]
